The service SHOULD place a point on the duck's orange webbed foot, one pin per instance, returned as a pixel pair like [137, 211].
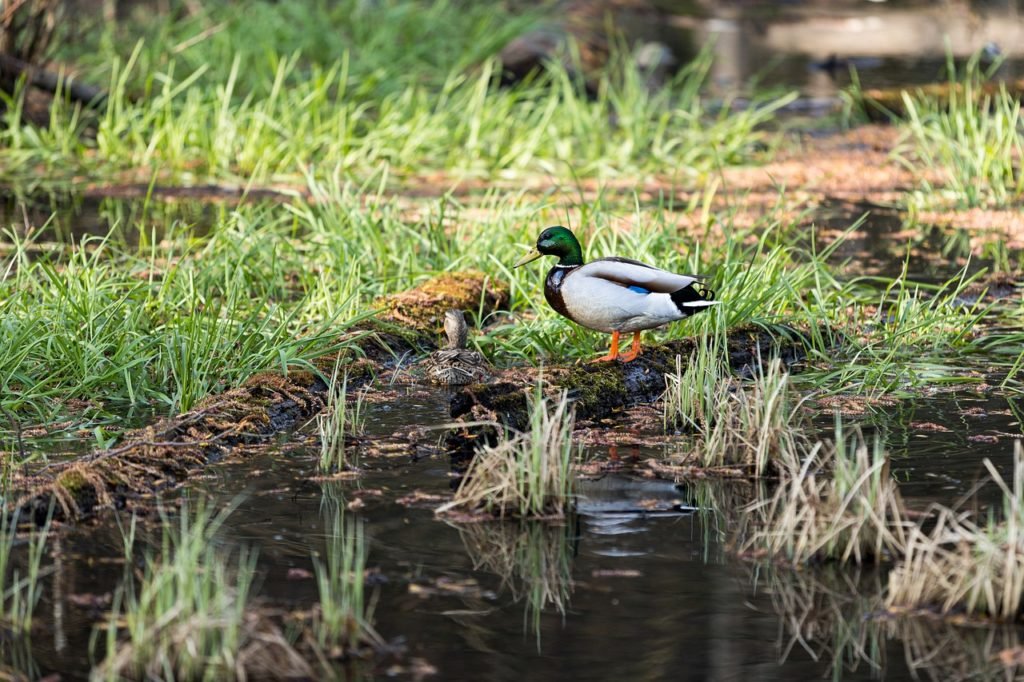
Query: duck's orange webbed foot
[634, 351]
[613, 353]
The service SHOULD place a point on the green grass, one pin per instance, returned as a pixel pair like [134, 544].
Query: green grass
[163, 324]
[341, 418]
[901, 336]
[756, 425]
[162, 311]
[692, 394]
[973, 140]
[353, 100]
[158, 320]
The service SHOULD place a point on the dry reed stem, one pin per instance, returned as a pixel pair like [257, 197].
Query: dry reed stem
[838, 505]
[967, 565]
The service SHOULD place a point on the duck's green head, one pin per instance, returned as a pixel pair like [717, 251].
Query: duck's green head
[556, 241]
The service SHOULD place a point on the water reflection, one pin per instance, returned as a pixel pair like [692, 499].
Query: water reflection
[17, 661]
[533, 559]
[829, 612]
[67, 217]
[940, 650]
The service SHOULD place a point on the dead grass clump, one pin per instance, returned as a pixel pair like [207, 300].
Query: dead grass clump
[969, 566]
[841, 504]
[527, 474]
[756, 426]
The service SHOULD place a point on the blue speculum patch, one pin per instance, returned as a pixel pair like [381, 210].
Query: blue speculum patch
[639, 290]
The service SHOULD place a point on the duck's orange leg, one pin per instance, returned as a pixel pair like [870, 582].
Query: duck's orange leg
[634, 351]
[613, 353]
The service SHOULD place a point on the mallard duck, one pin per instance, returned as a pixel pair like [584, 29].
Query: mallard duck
[454, 365]
[614, 295]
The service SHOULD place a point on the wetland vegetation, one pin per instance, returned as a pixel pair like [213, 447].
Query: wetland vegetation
[221, 454]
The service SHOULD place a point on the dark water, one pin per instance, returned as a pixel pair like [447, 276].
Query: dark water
[644, 586]
[876, 241]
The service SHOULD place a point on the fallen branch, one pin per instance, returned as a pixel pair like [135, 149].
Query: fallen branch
[53, 83]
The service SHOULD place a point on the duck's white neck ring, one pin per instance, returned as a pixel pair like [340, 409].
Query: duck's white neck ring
[559, 265]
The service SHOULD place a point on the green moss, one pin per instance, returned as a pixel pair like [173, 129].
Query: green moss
[74, 482]
[422, 308]
[597, 390]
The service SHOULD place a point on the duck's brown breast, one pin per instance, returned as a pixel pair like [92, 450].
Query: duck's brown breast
[553, 288]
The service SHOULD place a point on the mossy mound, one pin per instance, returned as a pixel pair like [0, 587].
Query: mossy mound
[422, 308]
[166, 453]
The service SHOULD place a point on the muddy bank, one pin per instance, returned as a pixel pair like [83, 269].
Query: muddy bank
[600, 390]
[165, 454]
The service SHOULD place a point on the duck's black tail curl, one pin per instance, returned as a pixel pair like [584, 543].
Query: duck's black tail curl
[693, 298]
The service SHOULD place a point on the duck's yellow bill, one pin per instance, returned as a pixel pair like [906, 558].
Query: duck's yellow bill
[528, 258]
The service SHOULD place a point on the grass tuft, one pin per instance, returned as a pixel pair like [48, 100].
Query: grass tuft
[527, 474]
[753, 425]
[185, 617]
[841, 504]
[973, 140]
[340, 419]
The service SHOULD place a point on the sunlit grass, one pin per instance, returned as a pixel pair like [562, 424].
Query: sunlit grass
[164, 322]
[352, 100]
[973, 138]
[160, 325]
[900, 335]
